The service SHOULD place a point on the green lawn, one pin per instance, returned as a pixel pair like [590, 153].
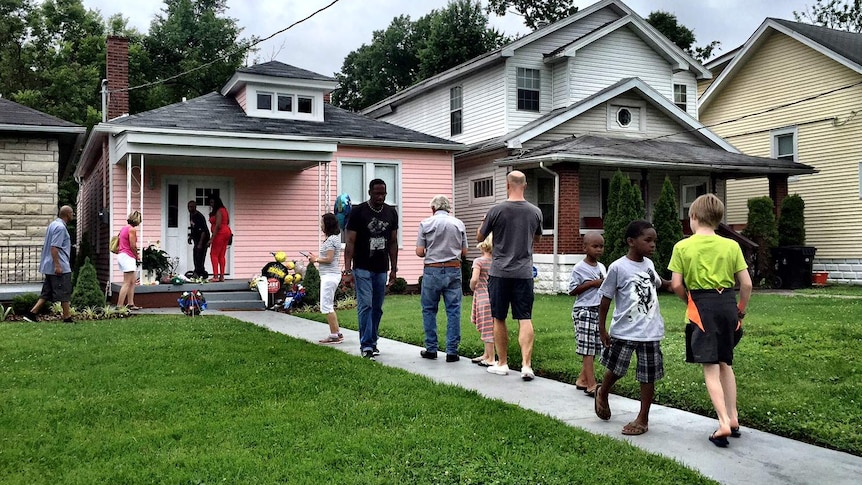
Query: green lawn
[799, 367]
[170, 399]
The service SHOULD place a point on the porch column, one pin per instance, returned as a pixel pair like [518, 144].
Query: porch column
[777, 191]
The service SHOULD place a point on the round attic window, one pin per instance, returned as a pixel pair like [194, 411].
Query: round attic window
[624, 117]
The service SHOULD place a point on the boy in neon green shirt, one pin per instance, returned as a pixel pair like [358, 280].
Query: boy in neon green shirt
[706, 268]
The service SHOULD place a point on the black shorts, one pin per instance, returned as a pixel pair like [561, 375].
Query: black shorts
[57, 288]
[517, 292]
[711, 333]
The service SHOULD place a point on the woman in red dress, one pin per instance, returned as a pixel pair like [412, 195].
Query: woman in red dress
[220, 229]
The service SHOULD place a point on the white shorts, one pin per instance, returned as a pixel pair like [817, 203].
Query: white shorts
[127, 263]
[328, 285]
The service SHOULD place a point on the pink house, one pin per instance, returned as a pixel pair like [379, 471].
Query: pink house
[270, 146]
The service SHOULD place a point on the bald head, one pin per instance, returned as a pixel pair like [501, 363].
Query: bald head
[516, 177]
[66, 213]
[593, 237]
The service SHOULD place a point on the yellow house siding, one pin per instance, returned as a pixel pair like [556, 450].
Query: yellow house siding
[784, 71]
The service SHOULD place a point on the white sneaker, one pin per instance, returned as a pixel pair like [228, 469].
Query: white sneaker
[500, 370]
[527, 373]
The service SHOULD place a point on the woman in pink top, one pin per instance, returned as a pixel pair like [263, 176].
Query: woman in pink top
[127, 259]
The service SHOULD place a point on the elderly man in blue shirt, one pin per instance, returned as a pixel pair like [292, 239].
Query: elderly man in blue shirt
[442, 241]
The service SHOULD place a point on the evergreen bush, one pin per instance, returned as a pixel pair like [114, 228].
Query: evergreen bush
[625, 204]
[85, 250]
[399, 286]
[87, 291]
[762, 229]
[21, 304]
[791, 222]
[311, 282]
[668, 227]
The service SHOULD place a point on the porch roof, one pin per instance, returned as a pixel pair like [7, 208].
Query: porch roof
[652, 153]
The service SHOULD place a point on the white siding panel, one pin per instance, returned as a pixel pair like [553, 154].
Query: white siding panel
[531, 56]
[594, 121]
[428, 114]
[621, 54]
[561, 84]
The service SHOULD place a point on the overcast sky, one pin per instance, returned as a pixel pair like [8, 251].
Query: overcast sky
[321, 43]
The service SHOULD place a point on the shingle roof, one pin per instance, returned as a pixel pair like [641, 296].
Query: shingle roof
[847, 44]
[280, 69]
[12, 113]
[659, 151]
[214, 112]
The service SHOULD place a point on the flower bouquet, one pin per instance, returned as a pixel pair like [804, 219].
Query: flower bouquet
[192, 302]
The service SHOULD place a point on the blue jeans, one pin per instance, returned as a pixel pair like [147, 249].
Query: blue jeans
[370, 288]
[445, 282]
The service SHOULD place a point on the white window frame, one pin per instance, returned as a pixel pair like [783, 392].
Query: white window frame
[456, 109]
[275, 92]
[393, 194]
[775, 134]
[680, 98]
[480, 200]
[532, 193]
[685, 183]
[521, 74]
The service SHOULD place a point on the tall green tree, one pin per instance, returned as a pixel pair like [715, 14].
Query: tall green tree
[682, 36]
[66, 53]
[835, 14]
[13, 36]
[187, 35]
[668, 228]
[791, 222]
[535, 12]
[408, 52]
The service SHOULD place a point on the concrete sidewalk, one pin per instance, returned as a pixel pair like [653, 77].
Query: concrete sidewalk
[758, 457]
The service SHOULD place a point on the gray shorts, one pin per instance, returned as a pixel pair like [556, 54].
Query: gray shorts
[57, 288]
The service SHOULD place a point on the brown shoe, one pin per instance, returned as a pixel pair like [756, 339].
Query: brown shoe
[331, 340]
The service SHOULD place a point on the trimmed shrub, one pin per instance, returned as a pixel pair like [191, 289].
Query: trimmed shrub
[762, 229]
[668, 227]
[399, 286]
[87, 292]
[791, 222]
[22, 303]
[311, 282]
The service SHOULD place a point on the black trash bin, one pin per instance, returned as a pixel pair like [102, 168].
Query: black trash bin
[793, 266]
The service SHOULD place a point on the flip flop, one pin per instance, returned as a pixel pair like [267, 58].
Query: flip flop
[592, 391]
[476, 360]
[719, 441]
[634, 429]
[580, 387]
[734, 432]
[603, 411]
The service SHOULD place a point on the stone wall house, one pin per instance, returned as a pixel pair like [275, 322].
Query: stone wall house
[35, 150]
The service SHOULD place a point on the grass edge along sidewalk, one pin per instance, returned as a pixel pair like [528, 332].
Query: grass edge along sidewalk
[172, 399]
[798, 368]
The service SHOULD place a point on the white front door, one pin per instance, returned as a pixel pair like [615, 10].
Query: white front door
[178, 193]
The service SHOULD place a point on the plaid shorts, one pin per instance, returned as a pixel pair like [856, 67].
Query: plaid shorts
[587, 338]
[650, 367]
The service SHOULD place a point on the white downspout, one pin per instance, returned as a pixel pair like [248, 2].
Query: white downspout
[556, 223]
[141, 190]
[104, 100]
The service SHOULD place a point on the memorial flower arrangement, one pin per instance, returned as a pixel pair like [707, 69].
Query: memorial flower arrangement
[155, 259]
[192, 302]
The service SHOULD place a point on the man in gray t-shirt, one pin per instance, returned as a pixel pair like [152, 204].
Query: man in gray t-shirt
[516, 224]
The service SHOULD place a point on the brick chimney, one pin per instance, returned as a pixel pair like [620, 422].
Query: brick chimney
[117, 72]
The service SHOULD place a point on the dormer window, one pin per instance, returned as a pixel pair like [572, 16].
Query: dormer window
[264, 100]
[304, 104]
[285, 103]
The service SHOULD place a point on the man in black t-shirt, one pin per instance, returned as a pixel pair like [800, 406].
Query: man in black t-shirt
[371, 247]
[199, 236]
